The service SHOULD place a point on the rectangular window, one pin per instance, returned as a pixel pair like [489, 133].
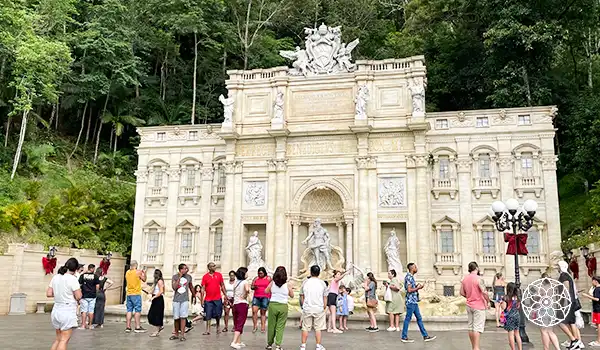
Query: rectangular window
[191, 176]
[153, 242]
[483, 122]
[161, 136]
[489, 242]
[441, 124]
[186, 241]
[524, 119]
[533, 241]
[527, 164]
[193, 135]
[158, 177]
[447, 241]
[218, 241]
[444, 167]
[484, 167]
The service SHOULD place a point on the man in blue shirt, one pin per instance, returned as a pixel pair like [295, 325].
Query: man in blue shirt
[412, 305]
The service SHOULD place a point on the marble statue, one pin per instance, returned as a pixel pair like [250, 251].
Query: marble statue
[392, 251]
[254, 251]
[324, 53]
[255, 194]
[319, 242]
[278, 107]
[227, 108]
[361, 102]
[417, 90]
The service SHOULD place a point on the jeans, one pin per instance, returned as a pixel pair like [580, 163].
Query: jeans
[410, 310]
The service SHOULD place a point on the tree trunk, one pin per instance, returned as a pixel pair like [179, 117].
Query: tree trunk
[52, 114]
[57, 112]
[137, 91]
[115, 148]
[8, 122]
[80, 131]
[2, 67]
[163, 77]
[590, 73]
[87, 132]
[195, 70]
[247, 29]
[110, 141]
[100, 128]
[20, 145]
[527, 87]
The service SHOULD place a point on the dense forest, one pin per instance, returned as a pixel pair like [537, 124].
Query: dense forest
[77, 77]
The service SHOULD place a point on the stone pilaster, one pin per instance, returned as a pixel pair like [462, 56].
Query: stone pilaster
[239, 258]
[362, 241]
[349, 242]
[551, 196]
[295, 248]
[204, 224]
[137, 247]
[269, 247]
[412, 236]
[465, 237]
[281, 225]
[425, 240]
[170, 247]
[340, 227]
[374, 234]
[228, 216]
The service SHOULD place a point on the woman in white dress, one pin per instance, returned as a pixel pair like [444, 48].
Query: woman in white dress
[66, 291]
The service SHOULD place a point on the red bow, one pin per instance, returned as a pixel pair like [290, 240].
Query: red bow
[591, 266]
[574, 267]
[512, 246]
[104, 265]
[49, 265]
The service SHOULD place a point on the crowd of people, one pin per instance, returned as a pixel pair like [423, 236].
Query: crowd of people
[326, 305]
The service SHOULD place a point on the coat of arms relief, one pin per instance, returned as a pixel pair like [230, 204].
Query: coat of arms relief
[324, 53]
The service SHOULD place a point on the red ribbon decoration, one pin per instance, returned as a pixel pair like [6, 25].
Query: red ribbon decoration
[521, 240]
[49, 265]
[104, 265]
[574, 267]
[591, 266]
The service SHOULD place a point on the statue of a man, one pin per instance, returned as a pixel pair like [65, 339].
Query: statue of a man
[392, 251]
[227, 108]
[417, 90]
[278, 106]
[361, 102]
[318, 242]
[254, 250]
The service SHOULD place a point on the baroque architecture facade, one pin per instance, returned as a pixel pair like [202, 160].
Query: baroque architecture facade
[351, 144]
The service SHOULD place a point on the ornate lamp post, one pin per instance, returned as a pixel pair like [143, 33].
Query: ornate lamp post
[510, 219]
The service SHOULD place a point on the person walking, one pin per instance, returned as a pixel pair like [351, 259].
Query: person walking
[228, 304]
[213, 289]
[156, 314]
[595, 298]
[133, 301]
[105, 284]
[395, 306]
[66, 291]
[371, 300]
[568, 325]
[499, 285]
[280, 291]
[89, 287]
[314, 303]
[334, 290]
[182, 287]
[412, 304]
[473, 288]
[241, 289]
[260, 300]
[511, 305]
[548, 335]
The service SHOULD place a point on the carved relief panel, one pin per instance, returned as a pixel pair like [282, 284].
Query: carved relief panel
[392, 192]
[255, 195]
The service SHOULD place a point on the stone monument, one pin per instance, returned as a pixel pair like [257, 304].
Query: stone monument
[227, 110]
[392, 252]
[254, 251]
[320, 251]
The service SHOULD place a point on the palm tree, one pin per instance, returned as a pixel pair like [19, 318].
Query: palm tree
[119, 122]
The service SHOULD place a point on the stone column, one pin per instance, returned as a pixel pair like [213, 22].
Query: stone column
[281, 225]
[349, 242]
[228, 215]
[295, 248]
[362, 242]
[374, 234]
[239, 257]
[412, 253]
[204, 225]
[137, 243]
[425, 240]
[340, 227]
[170, 247]
[465, 238]
[551, 207]
[271, 212]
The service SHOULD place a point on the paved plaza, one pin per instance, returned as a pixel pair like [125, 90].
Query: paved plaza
[35, 332]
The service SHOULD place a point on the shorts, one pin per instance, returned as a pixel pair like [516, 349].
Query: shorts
[213, 309]
[180, 309]
[596, 317]
[64, 317]
[476, 320]
[87, 305]
[261, 302]
[332, 299]
[134, 303]
[570, 317]
[230, 305]
[313, 321]
[240, 314]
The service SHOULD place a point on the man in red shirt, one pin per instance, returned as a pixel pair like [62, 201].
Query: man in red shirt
[473, 288]
[213, 291]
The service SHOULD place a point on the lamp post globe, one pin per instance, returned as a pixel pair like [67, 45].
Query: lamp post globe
[498, 208]
[512, 205]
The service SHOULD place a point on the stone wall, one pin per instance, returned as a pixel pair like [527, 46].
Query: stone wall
[21, 271]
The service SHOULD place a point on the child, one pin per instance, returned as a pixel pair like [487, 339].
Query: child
[510, 306]
[595, 298]
[350, 301]
[342, 308]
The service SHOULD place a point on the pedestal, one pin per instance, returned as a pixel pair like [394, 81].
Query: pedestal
[18, 302]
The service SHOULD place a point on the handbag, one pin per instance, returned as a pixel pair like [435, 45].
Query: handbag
[579, 320]
[388, 294]
[372, 303]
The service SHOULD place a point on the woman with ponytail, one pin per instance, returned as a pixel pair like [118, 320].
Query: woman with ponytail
[65, 290]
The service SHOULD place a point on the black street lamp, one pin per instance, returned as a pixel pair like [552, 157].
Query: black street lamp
[512, 219]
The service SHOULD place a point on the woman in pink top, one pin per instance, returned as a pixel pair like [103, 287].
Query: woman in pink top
[334, 289]
[260, 301]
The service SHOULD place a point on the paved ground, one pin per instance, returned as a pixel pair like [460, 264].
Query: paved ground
[35, 332]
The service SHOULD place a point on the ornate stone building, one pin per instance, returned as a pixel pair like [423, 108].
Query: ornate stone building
[350, 144]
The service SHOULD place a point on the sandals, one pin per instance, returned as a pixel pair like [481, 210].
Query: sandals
[206, 333]
[155, 334]
[225, 330]
[173, 337]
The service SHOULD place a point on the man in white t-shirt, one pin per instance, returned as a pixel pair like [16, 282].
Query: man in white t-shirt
[313, 298]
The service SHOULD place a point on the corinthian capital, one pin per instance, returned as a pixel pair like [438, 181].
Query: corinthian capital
[365, 162]
[141, 175]
[505, 163]
[463, 165]
[420, 160]
[174, 174]
[549, 162]
[232, 167]
[207, 173]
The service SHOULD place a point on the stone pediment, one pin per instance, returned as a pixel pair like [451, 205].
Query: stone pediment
[154, 224]
[446, 220]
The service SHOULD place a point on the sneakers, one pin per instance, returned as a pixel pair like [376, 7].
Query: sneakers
[127, 330]
[406, 340]
[368, 328]
[374, 330]
[594, 344]
[320, 347]
[336, 331]
[235, 346]
[576, 344]
[391, 329]
[140, 330]
[269, 347]
[429, 338]
[303, 347]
